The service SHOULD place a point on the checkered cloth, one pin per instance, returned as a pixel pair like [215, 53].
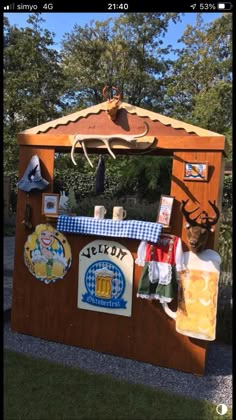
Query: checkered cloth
[133, 229]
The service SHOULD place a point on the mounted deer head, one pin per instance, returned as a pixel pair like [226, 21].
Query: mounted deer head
[112, 104]
[197, 234]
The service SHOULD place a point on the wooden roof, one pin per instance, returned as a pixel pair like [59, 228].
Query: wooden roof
[165, 135]
[130, 109]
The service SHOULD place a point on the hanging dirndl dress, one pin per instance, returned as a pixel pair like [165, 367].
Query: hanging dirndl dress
[161, 263]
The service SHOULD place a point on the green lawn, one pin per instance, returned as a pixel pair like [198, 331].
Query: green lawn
[36, 389]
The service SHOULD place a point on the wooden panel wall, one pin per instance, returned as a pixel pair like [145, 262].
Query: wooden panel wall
[50, 312]
[198, 192]
[46, 157]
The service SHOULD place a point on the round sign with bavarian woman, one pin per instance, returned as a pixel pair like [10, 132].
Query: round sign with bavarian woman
[47, 254]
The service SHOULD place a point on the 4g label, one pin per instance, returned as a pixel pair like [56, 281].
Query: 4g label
[33, 7]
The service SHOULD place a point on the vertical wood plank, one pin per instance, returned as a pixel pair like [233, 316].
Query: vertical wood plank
[46, 157]
[149, 335]
[198, 192]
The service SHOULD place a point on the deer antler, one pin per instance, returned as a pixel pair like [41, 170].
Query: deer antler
[106, 96]
[104, 92]
[81, 139]
[117, 96]
[209, 221]
[192, 222]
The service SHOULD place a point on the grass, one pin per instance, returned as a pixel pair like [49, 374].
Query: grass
[36, 389]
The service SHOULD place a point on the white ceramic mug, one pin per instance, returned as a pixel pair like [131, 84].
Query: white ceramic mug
[99, 212]
[119, 213]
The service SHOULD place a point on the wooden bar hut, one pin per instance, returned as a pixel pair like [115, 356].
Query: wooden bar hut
[51, 311]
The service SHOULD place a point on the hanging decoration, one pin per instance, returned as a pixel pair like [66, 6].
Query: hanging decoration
[196, 313]
[82, 139]
[32, 178]
[47, 254]
[161, 263]
[100, 176]
[198, 232]
[112, 103]
[198, 282]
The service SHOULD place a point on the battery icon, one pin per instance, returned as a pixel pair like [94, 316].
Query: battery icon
[224, 6]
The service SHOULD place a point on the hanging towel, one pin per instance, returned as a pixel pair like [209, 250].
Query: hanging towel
[100, 176]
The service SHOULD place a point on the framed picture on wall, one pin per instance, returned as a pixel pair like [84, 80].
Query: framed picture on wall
[165, 210]
[50, 204]
[195, 171]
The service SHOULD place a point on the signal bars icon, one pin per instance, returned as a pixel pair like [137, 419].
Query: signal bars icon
[9, 7]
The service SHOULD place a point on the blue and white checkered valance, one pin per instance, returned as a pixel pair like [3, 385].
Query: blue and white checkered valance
[133, 229]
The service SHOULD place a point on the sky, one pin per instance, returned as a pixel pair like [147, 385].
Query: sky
[60, 23]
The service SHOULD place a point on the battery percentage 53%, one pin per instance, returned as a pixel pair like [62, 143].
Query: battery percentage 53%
[207, 6]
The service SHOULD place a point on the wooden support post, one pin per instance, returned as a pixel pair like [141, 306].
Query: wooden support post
[46, 157]
[198, 192]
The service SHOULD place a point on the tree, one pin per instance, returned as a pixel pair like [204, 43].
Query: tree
[33, 82]
[200, 84]
[125, 52]
[146, 177]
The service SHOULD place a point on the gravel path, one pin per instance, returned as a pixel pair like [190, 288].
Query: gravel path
[215, 386]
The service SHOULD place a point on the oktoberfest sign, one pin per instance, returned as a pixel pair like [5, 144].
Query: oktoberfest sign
[105, 278]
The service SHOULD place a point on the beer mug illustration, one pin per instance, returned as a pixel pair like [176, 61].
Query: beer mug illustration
[197, 298]
[103, 283]
[40, 268]
[59, 266]
[119, 213]
[99, 212]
